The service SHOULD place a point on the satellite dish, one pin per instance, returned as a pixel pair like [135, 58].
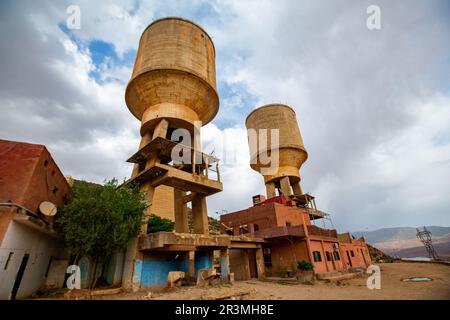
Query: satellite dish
[48, 209]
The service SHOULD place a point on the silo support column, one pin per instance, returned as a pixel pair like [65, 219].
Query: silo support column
[297, 189]
[199, 215]
[285, 186]
[270, 190]
[224, 264]
[181, 212]
[191, 265]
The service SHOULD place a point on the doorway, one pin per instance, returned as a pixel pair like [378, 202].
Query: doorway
[19, 276]
[252, 263]
[364, 258]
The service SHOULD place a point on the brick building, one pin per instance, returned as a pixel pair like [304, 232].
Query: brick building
[290, 229]
[28, 246]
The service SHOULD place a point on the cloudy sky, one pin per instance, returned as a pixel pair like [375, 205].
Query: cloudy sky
[373, 105]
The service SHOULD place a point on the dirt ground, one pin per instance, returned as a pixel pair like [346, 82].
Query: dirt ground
[391, 287]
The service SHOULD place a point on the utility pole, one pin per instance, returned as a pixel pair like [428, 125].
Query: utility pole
[425, 237]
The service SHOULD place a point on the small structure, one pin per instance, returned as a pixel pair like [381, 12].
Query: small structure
[32, 188]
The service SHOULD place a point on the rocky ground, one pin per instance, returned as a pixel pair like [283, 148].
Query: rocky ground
[391, 287]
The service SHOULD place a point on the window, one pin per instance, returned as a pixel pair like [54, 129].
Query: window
[317, 257]
[352, 253]
[267, 257]
[255, 227]
[288, 224]
[336, 256]
[329, 257]
[8, 260]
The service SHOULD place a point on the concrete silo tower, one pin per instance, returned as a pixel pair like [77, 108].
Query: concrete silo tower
[289, 149]
[173, 86]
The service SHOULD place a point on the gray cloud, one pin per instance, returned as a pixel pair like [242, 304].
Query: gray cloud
[373, 106]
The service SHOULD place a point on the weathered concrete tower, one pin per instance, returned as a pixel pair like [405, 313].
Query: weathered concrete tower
[289, 150]
[173, 86]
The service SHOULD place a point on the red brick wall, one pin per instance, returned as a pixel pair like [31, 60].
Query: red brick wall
[265, 216]
[24, 179]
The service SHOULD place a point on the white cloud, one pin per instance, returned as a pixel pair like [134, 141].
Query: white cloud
[372, 105]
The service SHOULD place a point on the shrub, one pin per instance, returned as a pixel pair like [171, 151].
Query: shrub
[305, 265]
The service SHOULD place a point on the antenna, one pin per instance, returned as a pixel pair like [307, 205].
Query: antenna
[425, 237]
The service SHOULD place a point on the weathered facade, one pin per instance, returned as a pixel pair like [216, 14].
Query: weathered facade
[28, 247]
[291, 235]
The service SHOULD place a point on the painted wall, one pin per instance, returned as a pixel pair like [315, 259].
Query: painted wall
[203, 260]
[239, 264]
[156, 267]
[29, 176]
[286, 255]
[265, 216]
[20, 239]
[360, 258]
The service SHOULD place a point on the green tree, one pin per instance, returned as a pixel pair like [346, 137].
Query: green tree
[156, 223]
[100, 220]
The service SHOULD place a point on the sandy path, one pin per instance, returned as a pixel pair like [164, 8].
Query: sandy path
[391, 287]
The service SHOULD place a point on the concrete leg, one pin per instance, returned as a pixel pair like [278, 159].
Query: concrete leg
[297, 189]
[131, 277]
[191, 265]
[224, 264]
[260, 268]
[150, 191]
[285, 186]
[199, 215]
[270, 190]
[161, 129]
[181, 212]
